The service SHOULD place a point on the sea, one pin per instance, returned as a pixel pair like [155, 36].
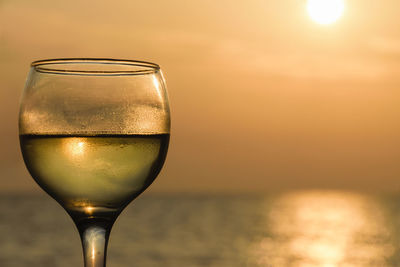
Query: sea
[295, 228]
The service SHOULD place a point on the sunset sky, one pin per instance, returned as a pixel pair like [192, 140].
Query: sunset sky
[262, 97]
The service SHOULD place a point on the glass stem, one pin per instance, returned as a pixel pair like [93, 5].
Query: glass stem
[94, 239]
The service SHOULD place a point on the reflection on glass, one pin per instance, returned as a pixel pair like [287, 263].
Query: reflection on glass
[74, 148]
[89, 210]
[320, 228]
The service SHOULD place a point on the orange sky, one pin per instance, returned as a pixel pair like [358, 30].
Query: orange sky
[262, 98]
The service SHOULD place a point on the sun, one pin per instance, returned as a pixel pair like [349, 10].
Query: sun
[325, 11]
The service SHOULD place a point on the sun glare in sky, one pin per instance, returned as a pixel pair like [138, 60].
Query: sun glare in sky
[325, 11]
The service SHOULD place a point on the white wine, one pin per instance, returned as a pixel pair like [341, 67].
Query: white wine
[94, 176]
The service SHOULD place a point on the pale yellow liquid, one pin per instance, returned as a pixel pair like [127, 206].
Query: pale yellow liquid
[93, 175]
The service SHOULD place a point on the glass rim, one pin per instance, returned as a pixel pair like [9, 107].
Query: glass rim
[124, 66]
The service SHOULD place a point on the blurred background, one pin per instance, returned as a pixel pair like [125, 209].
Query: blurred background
[277, 116]
[262, 97]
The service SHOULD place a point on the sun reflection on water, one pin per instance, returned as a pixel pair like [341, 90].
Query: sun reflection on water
[324, 228]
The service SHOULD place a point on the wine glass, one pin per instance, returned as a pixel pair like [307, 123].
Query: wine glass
[94, 134]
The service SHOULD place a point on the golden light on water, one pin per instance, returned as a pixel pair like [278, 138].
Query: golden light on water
[318, 228]
[325, 11]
